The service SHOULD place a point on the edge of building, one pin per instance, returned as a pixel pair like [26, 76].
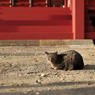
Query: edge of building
[45, 42]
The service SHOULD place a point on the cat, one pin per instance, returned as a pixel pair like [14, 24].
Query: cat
[69, 60]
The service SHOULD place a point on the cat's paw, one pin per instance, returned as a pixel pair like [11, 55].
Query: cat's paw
[58, 68]
[70, 70]
[65, 69]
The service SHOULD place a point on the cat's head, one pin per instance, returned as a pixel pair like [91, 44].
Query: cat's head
[52, 57]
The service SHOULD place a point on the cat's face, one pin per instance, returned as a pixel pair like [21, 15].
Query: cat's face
[52, 56]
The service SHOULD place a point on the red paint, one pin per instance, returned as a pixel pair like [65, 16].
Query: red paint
[35, 32]
[41, 21]
[35, 23]
[90, 35]
[78, 19]
[89, 28]
[39, 3]
[65, 3]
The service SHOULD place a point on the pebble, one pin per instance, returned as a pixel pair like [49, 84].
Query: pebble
[38, 81]
[20, 74]
[43, 75]
[19, 51]
[48, 89]
[0, 71]
[37, 93]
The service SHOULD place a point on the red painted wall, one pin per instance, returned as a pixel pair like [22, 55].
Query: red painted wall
[35, 23]
[40, 21]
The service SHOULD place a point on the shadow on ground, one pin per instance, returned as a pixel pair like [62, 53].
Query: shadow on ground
[89, 67]
[85, 90]
[73, 91]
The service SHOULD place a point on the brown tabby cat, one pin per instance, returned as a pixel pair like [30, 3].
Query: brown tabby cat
[69, 60]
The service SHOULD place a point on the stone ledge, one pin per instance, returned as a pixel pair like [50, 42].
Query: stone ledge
[45, 42]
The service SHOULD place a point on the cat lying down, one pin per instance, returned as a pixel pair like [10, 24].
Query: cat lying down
[69, 60]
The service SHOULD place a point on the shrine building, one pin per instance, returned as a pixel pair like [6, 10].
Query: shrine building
[47, 19]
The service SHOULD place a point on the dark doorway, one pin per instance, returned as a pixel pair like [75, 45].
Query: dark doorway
[57, 3]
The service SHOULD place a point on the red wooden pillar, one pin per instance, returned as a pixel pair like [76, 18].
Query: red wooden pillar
[65, 3]
[78, 19]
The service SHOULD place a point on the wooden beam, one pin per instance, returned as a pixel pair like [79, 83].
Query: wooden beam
[78, 19]
[12, 3]
[65, 3]
[30, 3]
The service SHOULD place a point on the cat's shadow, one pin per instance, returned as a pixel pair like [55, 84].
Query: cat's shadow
[89, 67]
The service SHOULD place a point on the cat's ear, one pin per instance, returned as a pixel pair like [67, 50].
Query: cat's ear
[56, 53]
[46, 53]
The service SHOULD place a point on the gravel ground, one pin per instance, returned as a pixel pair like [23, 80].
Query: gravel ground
[25, 70]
